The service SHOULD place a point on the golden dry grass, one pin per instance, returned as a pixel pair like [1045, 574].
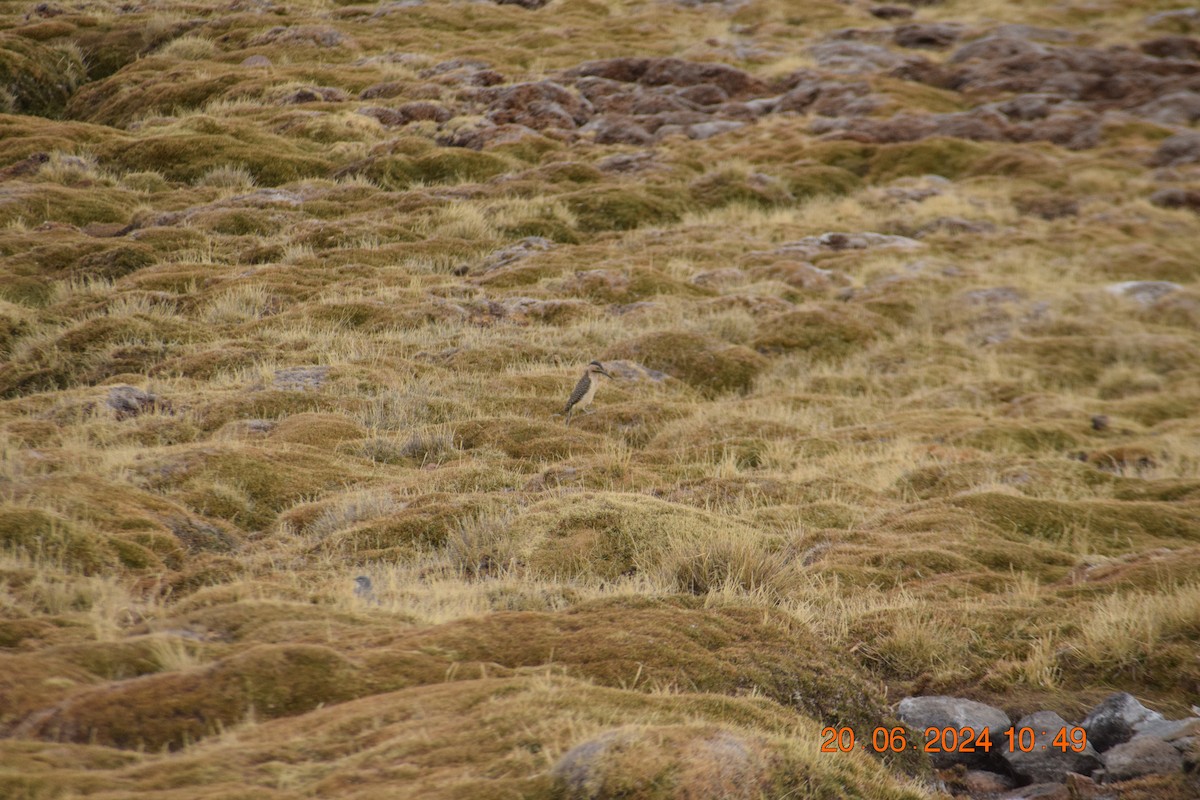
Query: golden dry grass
[863, 473]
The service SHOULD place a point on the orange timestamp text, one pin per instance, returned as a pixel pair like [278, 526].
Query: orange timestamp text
[951, 740]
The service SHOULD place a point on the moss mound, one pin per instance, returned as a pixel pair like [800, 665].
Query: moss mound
[949, 158]
[806, 181]
[317, 430]
[519, 437]
[706, 364]
[190, 154]
[824, 332]
[246, 486]
[38, 78]
[622, 208]
[722, 187]
[605, 536]
[1113, 526]
[673, 643]
[54, 540]
[171, 710]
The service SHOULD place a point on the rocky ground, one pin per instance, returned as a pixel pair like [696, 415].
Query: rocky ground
[902, 305]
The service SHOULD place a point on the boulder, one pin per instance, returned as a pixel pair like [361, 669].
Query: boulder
[1179, 149]
[890, 12]
[671, 72]
[1141, 755]
[1146, 293]
[1177, 198]
[130, 401]
[1112, 722]
[940, 711]
[978, 781]
[1172, 47]
[1048, 762]
[537, 105]
[933, 36]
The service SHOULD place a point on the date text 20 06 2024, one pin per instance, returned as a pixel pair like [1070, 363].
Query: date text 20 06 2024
[952, 740]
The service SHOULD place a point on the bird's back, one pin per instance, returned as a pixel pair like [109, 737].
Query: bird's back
[581, 390]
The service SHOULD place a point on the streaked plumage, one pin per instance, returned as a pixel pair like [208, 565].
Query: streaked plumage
[585, 390]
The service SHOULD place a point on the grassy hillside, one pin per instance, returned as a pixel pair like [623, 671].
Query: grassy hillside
[903, 305]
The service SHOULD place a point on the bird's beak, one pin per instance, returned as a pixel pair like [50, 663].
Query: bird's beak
[606, 374]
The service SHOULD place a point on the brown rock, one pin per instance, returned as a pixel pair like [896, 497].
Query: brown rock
[671, 72]
[890, 12]
[978, 781]
[1172, 47]
[704, 94]
[539, 105]
[617, 129]
[1182, 148]
[1177, 198]
[315, 94]
[129, 401]
[383, 90]
[1141, 755]
[934, 36]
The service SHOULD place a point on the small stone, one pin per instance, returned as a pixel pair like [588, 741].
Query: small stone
[940, 711]
[1176, 197]
[993, 296]
[1182, 148]
[129, 401]
[978, 781]
[1047, 762]
[936, 36]
[299, 378]
[1100, 422]
[890, 12]
[1141, 755]
[1038, 791]
[256, 61]
[1144, 292]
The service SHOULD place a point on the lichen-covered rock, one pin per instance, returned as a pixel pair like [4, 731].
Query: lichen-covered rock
[939, 711]
[1141, 755]
[1048, 762]
[1113, 721]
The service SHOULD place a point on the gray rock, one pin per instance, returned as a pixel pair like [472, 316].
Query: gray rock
[1048, 762]
[1038, 791]
[993, 296]
[514, 252]
[292, 379]
[1182, 148]
[833, 241]
[978, 781]
[1169, 730]
[129, 401]
[1144, 292]
[1141, 755]
[1176, 108]
[855, 58]
[1114, 720]
[940, 711]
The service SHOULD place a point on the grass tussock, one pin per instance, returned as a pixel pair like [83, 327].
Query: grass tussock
[902, 394]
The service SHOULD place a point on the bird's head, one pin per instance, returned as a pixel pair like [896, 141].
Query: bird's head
[596, 368]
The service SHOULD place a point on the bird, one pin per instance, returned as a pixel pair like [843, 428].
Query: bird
[363, 589]
[585, 390]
